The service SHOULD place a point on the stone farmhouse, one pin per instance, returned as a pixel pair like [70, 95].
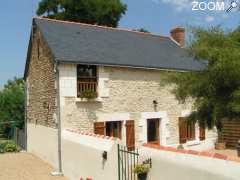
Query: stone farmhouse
[108, 81]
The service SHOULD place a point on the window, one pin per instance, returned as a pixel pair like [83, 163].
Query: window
[186, 130]
[86, 81]
[112, 129]
[153, 131]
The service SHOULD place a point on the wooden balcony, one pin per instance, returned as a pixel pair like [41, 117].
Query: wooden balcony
[83, 87]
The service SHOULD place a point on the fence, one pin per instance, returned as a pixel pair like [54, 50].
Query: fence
[127, 161]
[10, 132]
[231, 133]
[20, 138]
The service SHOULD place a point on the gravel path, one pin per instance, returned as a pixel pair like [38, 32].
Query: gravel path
[25, 166]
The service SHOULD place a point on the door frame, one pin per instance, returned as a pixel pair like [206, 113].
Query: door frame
[158, 131]
[164, 121]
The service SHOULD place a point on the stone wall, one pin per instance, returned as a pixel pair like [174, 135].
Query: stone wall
[131, 91]
[41, 105]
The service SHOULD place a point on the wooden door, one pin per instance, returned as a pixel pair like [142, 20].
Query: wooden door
[182, 130]
[130, 135]
[153, 127]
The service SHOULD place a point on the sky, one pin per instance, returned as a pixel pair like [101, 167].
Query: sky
[157, 16]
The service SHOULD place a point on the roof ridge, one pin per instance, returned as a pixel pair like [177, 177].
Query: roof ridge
[104, 27]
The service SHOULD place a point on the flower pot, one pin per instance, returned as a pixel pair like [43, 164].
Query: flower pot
[142, 176]
[220, 145]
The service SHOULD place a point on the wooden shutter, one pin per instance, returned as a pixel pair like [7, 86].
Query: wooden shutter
[191, 130]
[201, 132]
[99, 128]
[130, 135]
[182, 130]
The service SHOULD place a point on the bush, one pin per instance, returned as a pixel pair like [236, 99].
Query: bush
[2, 145]
[141, 169]
[8, 147]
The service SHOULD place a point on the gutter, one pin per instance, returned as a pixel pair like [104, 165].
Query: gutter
[59, 172]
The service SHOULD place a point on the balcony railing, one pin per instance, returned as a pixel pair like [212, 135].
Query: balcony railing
[84, 88]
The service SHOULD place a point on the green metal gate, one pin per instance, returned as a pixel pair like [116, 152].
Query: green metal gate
[127, 161]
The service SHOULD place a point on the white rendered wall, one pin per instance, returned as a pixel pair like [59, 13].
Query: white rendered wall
[171, 166]
[82, 157]
[43, 142]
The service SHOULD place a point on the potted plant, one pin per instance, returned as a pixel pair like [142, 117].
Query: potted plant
[88, 94]
[220, 144]
[141, 171]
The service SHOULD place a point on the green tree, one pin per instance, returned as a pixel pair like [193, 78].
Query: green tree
[101, 12]
[12, 104]
[216, 90]
[142, 30]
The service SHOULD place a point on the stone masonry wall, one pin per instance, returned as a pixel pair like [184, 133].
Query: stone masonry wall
[41, 84]
[130, 91]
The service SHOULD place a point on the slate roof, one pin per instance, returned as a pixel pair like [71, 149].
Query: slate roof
[91, 44]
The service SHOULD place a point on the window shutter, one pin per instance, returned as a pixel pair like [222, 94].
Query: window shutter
[130, 135]
[201, 132]
[182, 130]
[99, 128]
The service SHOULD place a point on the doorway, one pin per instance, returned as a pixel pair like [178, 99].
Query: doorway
[153, 126]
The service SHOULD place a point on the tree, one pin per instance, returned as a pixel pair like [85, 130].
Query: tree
[101, 12]
[142, 30]
[216, 90]
[12, 104]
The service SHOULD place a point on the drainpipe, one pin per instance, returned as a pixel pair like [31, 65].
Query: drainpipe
[25, 113]
[59, 172]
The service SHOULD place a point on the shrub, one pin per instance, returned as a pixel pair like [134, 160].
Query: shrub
[141, 169]
[8, 147]
[2, 145]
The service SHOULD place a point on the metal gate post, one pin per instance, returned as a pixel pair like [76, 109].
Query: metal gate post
[119, 178]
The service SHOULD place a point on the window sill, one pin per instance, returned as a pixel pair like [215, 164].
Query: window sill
[193, 143]
[88, 100]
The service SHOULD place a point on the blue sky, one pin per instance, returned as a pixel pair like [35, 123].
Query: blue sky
[158, 16]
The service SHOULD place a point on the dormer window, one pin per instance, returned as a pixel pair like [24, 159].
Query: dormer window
[86, 81]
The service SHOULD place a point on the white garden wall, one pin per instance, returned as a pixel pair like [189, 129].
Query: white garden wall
[82, 157]
[43, 142]
[172, 165]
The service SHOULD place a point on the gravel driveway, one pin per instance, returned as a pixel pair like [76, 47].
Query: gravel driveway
[25, 166]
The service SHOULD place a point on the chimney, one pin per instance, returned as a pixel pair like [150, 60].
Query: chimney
[178, 34]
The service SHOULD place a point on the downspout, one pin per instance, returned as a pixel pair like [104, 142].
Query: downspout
[59, 172]
[25, 112]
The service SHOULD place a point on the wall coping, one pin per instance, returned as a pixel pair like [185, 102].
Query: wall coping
[92, 135]
[193, 152]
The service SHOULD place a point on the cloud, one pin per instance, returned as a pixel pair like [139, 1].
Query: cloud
[179, 4]
[209, 19]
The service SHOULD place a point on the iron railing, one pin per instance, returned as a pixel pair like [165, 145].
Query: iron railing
[127, 161]
[83, 87]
